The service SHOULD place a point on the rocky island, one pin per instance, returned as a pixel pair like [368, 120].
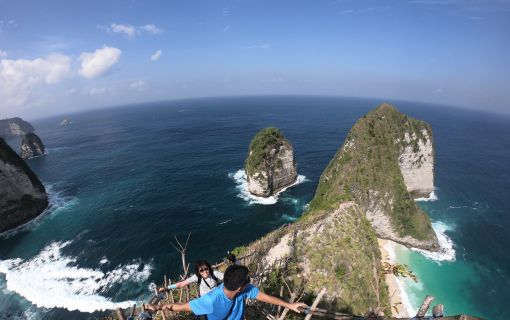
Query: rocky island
[365, 192]
[31, 146]
[22, 196]
[270, 165]
[14, 127]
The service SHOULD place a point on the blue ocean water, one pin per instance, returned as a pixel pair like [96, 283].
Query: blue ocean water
[123, 181]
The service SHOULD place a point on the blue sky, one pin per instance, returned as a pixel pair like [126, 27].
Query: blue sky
[66, 56]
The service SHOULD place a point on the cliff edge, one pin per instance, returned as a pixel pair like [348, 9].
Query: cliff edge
[270, 165]
[22, 196]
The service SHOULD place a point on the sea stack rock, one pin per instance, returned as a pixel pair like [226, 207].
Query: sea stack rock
[14, 127]
[386, 159]
[22, 195]
[270, 165]
[31, 146]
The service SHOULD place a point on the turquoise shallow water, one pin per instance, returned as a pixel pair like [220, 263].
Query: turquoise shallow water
[122, 181]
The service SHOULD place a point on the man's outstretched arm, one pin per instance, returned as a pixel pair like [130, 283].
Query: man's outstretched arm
[178, 307]
[261, 296]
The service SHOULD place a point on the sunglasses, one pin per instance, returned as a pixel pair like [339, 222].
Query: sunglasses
[203, 270]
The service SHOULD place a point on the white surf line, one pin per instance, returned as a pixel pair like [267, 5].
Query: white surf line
[446, 251]
[432, 197]
[52, 280]
[242, 185]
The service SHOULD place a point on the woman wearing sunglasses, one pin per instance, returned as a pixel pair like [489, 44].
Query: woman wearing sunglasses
[205, 276]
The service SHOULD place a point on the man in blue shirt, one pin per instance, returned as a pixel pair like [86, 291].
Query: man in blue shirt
[227, 300]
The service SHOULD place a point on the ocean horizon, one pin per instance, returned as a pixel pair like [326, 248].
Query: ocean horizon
[123, 181]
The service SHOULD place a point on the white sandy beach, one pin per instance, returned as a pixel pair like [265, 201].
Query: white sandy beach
[398, 298]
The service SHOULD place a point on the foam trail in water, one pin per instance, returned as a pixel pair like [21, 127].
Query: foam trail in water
[432, 197]
[446, 252]
[242, 185]
[51, 280]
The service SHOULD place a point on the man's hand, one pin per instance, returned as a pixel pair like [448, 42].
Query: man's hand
[296, 305]
[162, 289]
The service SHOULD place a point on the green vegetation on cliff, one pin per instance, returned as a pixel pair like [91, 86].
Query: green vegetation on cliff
[366, 169]
[260, 146]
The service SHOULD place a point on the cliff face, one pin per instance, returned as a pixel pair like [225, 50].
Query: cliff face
[31, 146]
[14, 127]
[22, 195]
[270, 165]
[386, 156]
[416, 161]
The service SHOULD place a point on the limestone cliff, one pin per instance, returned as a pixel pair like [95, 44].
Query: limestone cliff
[270, 165]
[31, 146]
[14, 127]
[22, 195]
[416, 161]
[385, 156]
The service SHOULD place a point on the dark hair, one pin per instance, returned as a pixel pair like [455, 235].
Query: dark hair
[201, 263]
[231, 257]
[236, 277]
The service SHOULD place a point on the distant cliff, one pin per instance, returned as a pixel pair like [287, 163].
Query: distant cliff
[14, 127]
[31, 146]
[270, 165]
[385, 156]
[22, 195]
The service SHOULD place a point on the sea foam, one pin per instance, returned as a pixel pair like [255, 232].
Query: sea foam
[432, 197]
[242, 185]
[52, 280]
[446, 252]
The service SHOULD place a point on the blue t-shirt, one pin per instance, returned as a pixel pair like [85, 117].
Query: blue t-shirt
[216, 305]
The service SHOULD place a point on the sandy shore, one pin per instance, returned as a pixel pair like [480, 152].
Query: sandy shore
[398, 308]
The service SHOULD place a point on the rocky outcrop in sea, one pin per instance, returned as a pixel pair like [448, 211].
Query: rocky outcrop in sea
[22, 195]
[14, 127]
[31, 146]
[270, 165]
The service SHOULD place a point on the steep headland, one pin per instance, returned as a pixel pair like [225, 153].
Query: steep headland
[14, 127]
[270, 165]
[362, 195]
[31, 146]
[22, 196]
[384, 157]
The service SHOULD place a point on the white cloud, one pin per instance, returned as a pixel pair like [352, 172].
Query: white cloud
[156, 55]
[100, 61]
[71, 91]
[138, 85]
[130, 31]
[151, 28]
[3, 53]
[18, 78]
[125, 29]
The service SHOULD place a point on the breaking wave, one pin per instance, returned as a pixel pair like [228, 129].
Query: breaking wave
[52, 280]
[432, 197]
[446, 252]
[242, 185]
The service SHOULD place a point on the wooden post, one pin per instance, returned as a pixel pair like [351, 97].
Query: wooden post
[120, 315]
[315, 303]
[424, 307]
[166, 286]
[133, 311]
[279, 307]
[437, 311]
